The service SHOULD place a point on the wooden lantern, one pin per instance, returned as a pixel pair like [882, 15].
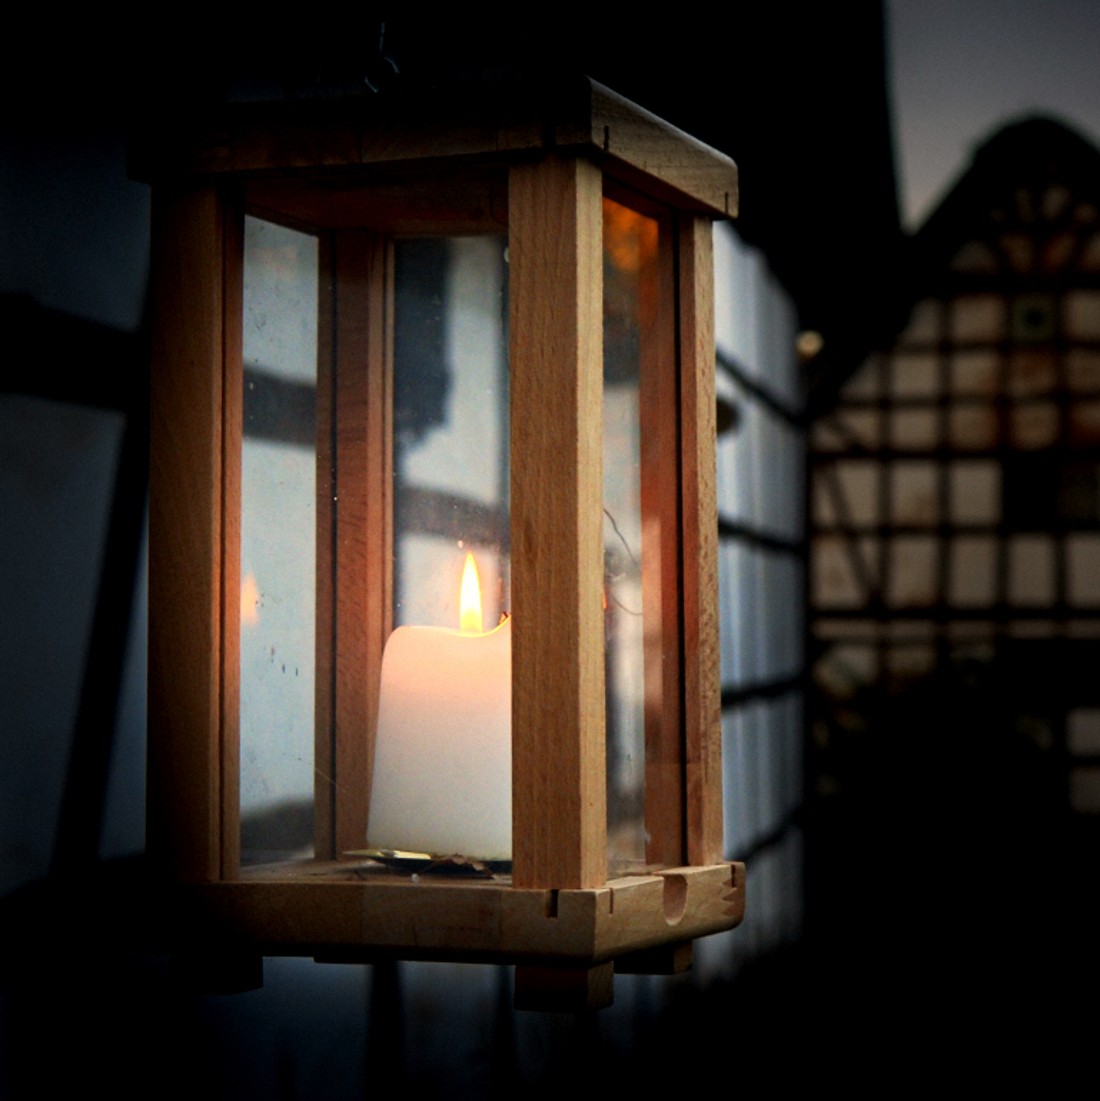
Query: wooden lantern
[547, 170]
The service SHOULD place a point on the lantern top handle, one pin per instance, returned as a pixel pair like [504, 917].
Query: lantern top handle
[494, 122]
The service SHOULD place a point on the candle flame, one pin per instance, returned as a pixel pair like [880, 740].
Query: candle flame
[469, 605]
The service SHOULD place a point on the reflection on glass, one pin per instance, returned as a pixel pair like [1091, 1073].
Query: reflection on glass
[450, 427]
[630, 303]
[442, 764]
[277, 542]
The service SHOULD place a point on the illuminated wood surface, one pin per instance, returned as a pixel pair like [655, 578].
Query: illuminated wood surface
[702, 694]
[572, 115]
[335, 911]
[559, 789]
[355, 522]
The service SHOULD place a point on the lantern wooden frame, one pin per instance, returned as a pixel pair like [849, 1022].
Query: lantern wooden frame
[358, 172]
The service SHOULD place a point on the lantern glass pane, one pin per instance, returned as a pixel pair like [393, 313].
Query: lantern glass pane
[450, 427]
[630, 303]
[278, 513]
[441, 780]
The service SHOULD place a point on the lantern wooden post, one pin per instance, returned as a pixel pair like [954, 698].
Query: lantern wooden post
[556, 347]
[702, 700]
[195, 401]
[354, 523]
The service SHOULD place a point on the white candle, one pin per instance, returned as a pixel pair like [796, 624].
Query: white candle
[442, 778]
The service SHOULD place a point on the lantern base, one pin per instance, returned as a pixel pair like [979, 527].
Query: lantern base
[341, 912]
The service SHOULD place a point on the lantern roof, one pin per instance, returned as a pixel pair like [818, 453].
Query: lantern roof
[492, 123]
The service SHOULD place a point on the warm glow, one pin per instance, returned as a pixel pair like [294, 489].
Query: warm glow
[469, 604]
[250, 600]
[630, 238]
[809, 344]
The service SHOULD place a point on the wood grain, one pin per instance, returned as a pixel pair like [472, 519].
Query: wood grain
[355, 527]
[702, 693]
[330, 910]
[359, 595]
[569, 113]
[681, 167]
[556, 349]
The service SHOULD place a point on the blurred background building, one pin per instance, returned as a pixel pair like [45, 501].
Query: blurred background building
[956, 566]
